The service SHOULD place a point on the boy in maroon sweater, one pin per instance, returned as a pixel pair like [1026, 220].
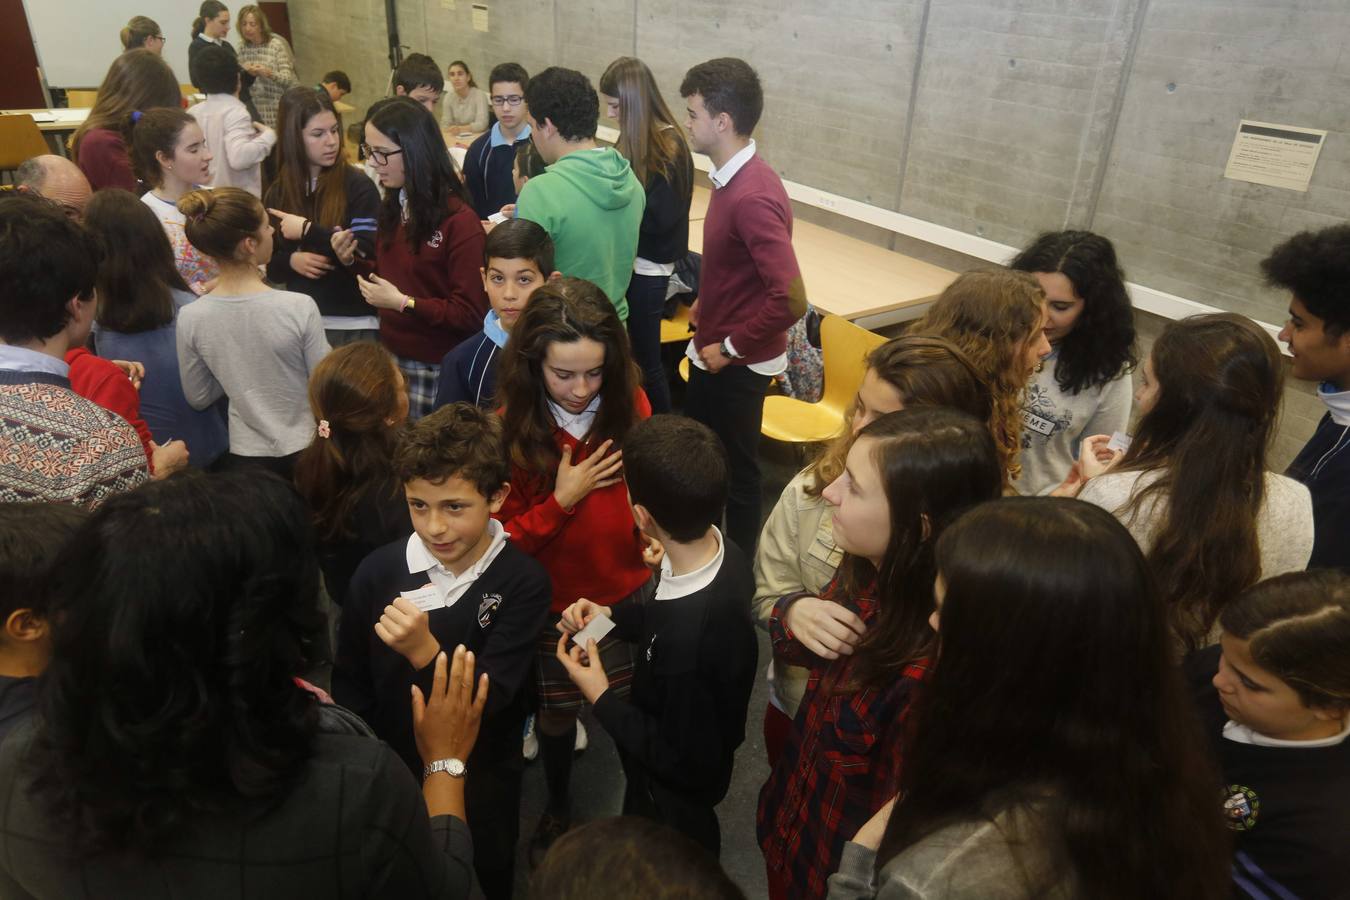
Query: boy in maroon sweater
[752, 289]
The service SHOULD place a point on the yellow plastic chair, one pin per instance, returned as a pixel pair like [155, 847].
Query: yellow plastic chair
[844, 346]
[81, 99]
[677, 327]
[20, 139]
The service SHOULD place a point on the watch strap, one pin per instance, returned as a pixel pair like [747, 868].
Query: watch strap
[455, 768]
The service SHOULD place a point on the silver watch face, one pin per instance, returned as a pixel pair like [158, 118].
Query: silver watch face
[455, 767]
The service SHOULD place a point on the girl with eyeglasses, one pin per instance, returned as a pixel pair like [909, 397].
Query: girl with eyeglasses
[424, 280]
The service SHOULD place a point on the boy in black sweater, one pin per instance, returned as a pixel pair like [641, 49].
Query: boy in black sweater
[696, 649]
[1314, 266]
[1275, 700]
[457, 580]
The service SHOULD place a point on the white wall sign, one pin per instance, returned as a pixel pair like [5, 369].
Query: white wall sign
[1281, 156]
[480, 17]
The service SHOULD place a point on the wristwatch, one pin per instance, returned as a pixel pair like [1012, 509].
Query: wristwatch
[408, 304]
[455, 768]
[725, 347]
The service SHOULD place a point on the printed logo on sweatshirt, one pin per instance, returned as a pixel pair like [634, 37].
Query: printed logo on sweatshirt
[487, 605]
[1241, 808]
[1041, 417]
[435, 240]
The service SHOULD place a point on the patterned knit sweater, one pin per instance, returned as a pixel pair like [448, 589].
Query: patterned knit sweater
[57, 446]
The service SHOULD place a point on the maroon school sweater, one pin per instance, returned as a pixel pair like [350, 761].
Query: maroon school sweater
[748, 265]
[442, 276]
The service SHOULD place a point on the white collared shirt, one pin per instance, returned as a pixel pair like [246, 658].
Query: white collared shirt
[720, 178]
[671, 586]
[450, 585]
[1241, 734]
[578, 425]
[21, 359]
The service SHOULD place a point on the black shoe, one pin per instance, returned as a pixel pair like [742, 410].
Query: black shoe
[551, 827]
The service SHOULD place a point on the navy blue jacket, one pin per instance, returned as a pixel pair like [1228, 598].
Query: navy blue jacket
[1324, 466]
[487, 173]
[469, 373]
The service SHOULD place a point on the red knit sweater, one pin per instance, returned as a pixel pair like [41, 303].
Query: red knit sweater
[102, 157]
[595, 550]
[748, 265]
[97, 379]
[443, 278]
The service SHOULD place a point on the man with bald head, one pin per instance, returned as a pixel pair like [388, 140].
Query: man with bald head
[58, 180]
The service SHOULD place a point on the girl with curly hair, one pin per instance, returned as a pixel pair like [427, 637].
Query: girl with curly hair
[1084, 387]
[997, 318]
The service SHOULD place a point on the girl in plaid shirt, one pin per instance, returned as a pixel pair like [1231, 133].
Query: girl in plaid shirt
[906, 475]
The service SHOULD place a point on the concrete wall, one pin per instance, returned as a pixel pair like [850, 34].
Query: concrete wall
[1001, 118]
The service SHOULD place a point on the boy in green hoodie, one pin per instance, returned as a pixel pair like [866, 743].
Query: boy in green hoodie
[588, 200]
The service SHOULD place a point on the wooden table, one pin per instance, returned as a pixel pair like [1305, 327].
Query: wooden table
[861, 282]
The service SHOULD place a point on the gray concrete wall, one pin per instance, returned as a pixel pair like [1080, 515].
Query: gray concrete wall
[1001, 118]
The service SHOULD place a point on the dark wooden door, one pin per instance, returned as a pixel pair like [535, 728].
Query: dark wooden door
[19, 86]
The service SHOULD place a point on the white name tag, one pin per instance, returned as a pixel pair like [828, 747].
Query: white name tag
[600, 626]
[425, 598]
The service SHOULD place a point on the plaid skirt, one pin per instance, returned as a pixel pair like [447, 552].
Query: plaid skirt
[556, 690]
[421, 378]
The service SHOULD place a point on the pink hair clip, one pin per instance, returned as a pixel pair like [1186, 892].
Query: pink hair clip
[324, 430]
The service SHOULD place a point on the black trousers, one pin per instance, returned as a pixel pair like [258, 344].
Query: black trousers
[492, 804]
[646, 302]
[691, 817]
[731, 403]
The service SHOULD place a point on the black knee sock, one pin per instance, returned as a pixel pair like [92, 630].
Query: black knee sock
[556, 752]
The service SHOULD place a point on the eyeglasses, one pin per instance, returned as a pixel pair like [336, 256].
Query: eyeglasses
[379, 157]
[159, 37]
[513, 100]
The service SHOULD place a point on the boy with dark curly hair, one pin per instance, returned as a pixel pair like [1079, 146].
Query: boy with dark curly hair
[1314, 266]
[456, 580]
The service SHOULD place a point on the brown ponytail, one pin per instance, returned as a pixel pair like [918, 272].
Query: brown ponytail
[218, 219]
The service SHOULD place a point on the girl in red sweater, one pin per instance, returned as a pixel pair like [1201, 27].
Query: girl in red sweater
[571, 394]
[426, 287]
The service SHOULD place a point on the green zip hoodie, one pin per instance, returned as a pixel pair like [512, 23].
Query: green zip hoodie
[591, 204]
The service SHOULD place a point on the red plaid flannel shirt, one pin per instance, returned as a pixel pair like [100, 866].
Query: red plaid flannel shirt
[841, 763]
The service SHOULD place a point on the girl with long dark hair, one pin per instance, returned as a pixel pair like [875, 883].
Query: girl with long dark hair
[1084, 387]
[175, 740]
[315, 193]
[569, 391]
[1054, 753]
[137, 81]
[140, 292]
[1193, 487]
[466, 105]
[796, 550]
[906, 475]
[345, 475]
[426, 285]
[654, 145]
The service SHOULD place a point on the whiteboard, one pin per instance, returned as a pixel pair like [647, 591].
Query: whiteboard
[76, 40]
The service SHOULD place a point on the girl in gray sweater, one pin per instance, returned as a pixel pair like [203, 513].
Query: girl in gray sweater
[1055, 753]
[244, 340]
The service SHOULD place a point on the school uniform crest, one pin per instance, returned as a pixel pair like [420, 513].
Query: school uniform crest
[1241, 808]
[435, 240]
[487, 605]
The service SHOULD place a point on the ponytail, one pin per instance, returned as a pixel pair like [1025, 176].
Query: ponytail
[198, 24]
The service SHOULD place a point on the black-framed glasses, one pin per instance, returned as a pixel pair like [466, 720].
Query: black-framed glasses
[512, 100]
[379, 157]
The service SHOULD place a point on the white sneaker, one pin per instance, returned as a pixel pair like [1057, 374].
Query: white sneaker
[530, 748]
[580, 745]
